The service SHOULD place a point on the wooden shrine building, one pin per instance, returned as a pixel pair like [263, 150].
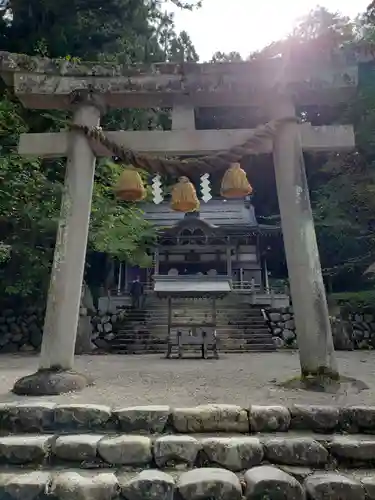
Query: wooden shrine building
[222, 239]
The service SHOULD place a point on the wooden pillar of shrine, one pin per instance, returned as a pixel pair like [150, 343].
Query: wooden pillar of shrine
[313, 328]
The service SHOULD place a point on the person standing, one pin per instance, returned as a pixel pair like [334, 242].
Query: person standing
[136, 293]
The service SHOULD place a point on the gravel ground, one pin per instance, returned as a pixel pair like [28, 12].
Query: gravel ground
[236, 379]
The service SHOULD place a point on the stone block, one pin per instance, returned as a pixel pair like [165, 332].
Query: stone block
[81, 417]
[353, 450]
[199, 484]
[270, 482]
[26, 417]
[288, 335]
[211, 418]
[323, 486]
[125, 450]
[24, 449]
[275, 316]
[359, 418]
[84, 486]
[176, 449]
[78, 447]
[279, 343]
[23, 485]
[300, 473]
[290, 324]
[368, 483]
[315, 418]
[233, 453]
[295, 451]
[147, 485]
[150, 419]
[269, 418]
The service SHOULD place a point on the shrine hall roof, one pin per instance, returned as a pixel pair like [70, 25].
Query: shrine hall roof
[217, 213]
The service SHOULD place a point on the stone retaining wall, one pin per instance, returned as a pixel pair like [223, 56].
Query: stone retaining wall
[281, 323]
[21, 330]
[220, 452]
[361, 330]
[356, 331]
[103, 327]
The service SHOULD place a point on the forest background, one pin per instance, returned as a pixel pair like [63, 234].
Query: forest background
[127, 31]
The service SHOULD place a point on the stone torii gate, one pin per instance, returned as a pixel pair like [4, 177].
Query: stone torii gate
[89, 89]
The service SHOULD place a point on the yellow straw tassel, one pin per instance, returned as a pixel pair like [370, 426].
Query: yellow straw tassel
[184, 196]
[130, 186]
[234, 183]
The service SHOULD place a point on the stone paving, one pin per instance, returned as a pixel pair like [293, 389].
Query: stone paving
[240, 379]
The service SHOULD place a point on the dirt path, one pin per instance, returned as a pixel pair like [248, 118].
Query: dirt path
[237, 379]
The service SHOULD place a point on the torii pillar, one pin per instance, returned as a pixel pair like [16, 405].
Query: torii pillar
[55, 374]
[313, 329]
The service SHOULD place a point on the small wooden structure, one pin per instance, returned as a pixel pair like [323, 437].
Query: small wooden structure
[203, 336]
[185, 329]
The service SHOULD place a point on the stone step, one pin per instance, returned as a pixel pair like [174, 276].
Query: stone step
[258, 482]
[219, 325]
[235, 348]
[234, 453]
[129, 338]
[221, 332]
[201, 317]
[159, 349]
[47, 417]
[248, 348]
[163, 320]
[223, 340]
[245, 332]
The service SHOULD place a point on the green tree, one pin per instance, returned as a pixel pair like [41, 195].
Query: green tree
[341, 185]
[223, 57]
[122, 31]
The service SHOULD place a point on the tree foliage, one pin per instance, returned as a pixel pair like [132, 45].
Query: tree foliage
[127, 31]
[122, 31]
[342, 185]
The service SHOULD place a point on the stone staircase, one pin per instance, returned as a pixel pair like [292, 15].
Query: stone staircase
[132, 335]
[240, 326]
[217, 452]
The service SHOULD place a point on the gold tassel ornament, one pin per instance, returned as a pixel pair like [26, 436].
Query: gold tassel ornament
[130, 186]
[235, 183]
[184, 196]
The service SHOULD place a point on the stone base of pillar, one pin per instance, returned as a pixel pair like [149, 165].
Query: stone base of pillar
[325, 383]
[51, 382]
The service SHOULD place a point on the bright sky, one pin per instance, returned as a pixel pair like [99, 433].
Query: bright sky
[245, 25]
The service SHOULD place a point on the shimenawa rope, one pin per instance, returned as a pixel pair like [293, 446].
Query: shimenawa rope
[199, 165]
